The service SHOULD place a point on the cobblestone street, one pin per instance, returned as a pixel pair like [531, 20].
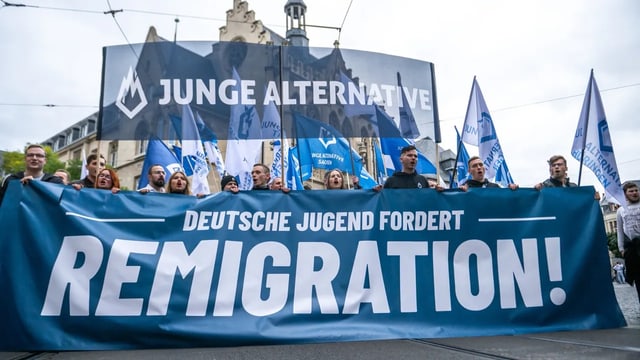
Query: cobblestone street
[628, 301]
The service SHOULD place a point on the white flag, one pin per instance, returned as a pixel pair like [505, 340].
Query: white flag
[592, 144]
[479, 130]
[244, 142]
[193, 152]
[271, 129]
[83, 170]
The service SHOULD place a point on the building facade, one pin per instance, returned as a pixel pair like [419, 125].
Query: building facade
[127, 157]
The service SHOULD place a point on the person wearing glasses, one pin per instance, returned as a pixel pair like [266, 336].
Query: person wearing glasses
[156, 176]
[558, 171]
[108, 180]
[34, 160]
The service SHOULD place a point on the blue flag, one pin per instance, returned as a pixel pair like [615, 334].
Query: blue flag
[407, 120]
[158, 153]
[324, 147]
[592, 144]
[462, 164]
[503, 176]
[294, 177]
[393, 142]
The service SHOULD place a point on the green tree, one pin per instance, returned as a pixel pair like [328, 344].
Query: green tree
[53, 163]
[14, 161]
[74, 168]
[612, 243]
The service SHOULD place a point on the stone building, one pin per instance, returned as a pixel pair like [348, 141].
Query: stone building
[127, 156]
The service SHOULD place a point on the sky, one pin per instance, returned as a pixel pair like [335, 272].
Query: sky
[532, 61]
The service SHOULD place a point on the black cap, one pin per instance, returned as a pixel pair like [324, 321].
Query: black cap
[227, 179]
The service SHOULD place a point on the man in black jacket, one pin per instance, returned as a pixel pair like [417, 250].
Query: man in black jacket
[408, 178]
[34, 159]
[558, 171]
[477, 170]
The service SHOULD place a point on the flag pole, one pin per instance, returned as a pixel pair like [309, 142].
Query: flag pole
[459, 145]
[375, 160]
[586, 126]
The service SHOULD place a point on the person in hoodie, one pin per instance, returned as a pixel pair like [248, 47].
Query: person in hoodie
[408, 177]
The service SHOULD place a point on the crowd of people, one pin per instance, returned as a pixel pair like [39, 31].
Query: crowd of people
[103, 178]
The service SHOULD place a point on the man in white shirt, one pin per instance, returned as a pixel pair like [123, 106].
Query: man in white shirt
[156, 176]
[628, 219]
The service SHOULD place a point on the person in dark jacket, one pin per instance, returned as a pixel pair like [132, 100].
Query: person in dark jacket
[478, 180]
[34, 159]
[558, 171]
[407, 178]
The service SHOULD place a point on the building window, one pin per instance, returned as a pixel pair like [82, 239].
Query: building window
[113, 153]
[141, 147]
[76, 154]
[92, 126]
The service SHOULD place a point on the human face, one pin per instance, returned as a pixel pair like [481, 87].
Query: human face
[35, 158]
[276, 184]
[95, 167]
[231, 186]
[156, 178]
[558, 169]
[409, 161]
[335, 180]
[259, 175]
[632, 195]
[178, 183]
[476, 168]
[104, 180]
[63, 176]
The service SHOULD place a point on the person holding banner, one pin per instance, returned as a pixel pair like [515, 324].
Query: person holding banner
[107, 179]
[178, 184]
[260, 175]
[94, 166]
[628, 226]
[276, 184]
[408, 177]
[558, 171]
[229, 183]
[34, 158]
[64, 175]
[156, 176]
[478, 180]
[334, 180]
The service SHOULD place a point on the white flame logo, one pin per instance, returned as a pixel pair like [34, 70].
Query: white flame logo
[130, 86]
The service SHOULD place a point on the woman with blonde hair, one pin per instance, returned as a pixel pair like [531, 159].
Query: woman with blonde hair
[334, 180]
[178, 184]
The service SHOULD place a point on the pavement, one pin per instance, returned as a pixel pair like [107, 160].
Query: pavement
[621, 343]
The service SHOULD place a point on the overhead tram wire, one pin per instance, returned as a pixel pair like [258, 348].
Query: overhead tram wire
[344, 20]
[545, 101]
[113, 14]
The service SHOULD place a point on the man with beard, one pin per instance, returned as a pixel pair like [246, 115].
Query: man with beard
[156, 177]
[628, 226]
[558, 171]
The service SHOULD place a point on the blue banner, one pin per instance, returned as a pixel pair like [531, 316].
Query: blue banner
[140, 93]
[88, 269]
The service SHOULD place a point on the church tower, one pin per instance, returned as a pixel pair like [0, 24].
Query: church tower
[296, 25]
